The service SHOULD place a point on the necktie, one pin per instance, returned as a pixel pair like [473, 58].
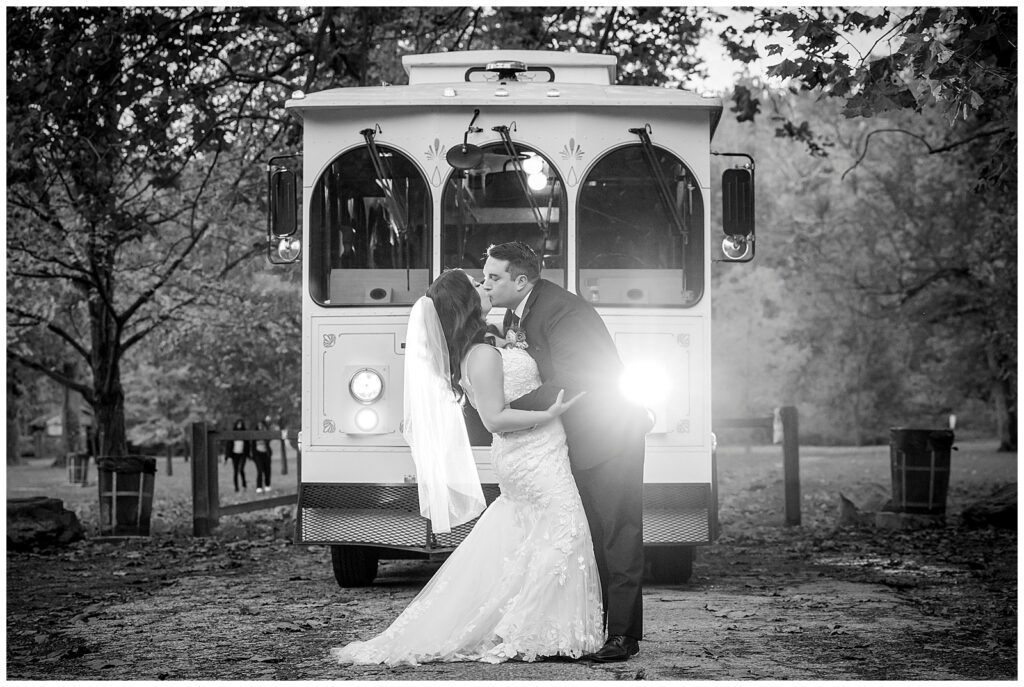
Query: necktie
[515, 320]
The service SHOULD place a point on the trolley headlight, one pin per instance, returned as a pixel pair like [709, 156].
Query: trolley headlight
[366, 386]
[645, 383]
[366, 419]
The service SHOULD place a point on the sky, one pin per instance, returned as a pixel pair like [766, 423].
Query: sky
[723, 71]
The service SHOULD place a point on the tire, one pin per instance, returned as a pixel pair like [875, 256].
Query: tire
[670, 564]
[354, 566]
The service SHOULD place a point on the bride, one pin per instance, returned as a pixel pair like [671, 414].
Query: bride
[524, 584]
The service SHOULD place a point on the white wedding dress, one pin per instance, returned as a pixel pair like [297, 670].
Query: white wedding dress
[524, 583]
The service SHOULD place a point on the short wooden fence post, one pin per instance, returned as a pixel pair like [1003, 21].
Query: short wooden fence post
[202, 525]
[284, 453]
[213, 475]
[791, 463]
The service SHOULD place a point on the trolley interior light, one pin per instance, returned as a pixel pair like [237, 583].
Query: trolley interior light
[366, 386]
[537, 182]
[533, 165]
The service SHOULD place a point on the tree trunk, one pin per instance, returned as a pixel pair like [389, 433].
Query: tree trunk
[13, 430]
[110, 426]
[70, 417]
[1002, 399]
[108, 402]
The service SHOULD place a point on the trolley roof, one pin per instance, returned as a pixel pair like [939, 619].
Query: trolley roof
[438, 80]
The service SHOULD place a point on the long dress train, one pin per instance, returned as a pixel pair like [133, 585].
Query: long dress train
[524, 583]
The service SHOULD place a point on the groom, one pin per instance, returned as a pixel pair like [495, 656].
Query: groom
[605, 433]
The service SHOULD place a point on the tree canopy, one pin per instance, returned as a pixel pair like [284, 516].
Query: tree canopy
[959, 61]
[136, 138]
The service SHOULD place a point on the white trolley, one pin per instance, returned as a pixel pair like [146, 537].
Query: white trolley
[610, 184]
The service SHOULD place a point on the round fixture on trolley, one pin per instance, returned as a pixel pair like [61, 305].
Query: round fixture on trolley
[533, 164]
[288, 248]
[464, 156]
[736, 247]
[537, 182]
[366, 419]
[366, 386]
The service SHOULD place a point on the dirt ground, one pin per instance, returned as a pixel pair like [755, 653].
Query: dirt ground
[766, 601]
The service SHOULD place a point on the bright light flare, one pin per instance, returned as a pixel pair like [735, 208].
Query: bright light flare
[645, 383]
[537, 182]
[533, 165]
[366, 419]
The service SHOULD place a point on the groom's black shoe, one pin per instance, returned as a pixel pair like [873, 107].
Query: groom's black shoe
[617, 648]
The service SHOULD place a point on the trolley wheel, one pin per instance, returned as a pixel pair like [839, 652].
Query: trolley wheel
[670, 564]
[354, 566]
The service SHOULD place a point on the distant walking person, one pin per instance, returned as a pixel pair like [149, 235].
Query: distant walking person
[238, 451]
[261, 456]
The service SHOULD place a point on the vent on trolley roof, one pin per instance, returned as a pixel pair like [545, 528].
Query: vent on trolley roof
[451, 67]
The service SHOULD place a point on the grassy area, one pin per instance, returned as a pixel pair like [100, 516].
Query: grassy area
[750, 482]
[749, 477]
[172, 496]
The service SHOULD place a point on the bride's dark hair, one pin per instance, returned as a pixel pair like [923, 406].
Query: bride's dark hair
[462, 319]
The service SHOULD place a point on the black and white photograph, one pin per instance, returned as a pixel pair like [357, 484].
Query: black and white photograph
[511, 343]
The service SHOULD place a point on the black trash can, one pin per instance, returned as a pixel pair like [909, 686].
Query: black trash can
[920, 469]
[126, 494]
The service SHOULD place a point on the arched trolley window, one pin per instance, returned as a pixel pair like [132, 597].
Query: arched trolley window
[640, 230]
[511, 195]
[370, 227]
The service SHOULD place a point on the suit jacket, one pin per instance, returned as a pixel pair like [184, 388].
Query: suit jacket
[575, 352]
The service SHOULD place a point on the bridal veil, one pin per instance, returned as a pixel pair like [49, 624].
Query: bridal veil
[434, 426]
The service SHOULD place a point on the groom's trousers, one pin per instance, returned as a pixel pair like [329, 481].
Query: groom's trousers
[612, 495]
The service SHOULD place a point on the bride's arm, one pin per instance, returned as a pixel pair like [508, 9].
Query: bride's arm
[486, 379]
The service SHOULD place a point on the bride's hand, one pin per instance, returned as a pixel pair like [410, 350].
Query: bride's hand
[560, 406]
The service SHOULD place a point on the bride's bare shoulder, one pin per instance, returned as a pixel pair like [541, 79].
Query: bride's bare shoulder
[476, 352]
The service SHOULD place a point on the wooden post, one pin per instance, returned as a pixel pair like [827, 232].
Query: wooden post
[201, 522]
[170, 469]
[213, 476]
[791, 463]
[284, 453]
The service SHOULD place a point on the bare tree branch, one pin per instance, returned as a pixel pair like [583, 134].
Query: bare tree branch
[52, 373]
[931, 150]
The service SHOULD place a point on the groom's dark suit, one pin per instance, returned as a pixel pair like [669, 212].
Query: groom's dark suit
[575, 352]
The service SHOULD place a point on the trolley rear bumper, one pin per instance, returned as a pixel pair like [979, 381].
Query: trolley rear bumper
[388, 516]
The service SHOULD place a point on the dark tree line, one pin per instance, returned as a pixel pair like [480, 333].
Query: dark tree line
[135, 139]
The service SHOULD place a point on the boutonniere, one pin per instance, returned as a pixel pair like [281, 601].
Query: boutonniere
[515, 337]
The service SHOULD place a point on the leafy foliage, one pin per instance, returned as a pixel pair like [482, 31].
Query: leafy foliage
[135, 192]
[898, 280]
[960, 61]
[118, 120]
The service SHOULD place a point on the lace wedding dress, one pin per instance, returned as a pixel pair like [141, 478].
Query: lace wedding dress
[524, 583]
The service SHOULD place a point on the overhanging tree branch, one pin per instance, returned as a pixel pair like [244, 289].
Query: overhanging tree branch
[53, 374]
[59, 331]
[931, 150]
